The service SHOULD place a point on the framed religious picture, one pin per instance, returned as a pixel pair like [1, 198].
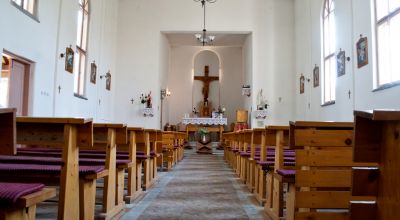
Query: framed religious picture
[362, 52]
[69, 60]
[316, 76]
[93, 71]
[108, 81]
[341, 63]
[302, 79]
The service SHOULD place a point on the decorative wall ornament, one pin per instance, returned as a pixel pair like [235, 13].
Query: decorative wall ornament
[315, 76]
[108, 81]
[362, 51]
[93, 72]
[69, 59]
[246, 90]
[302, 79]
[341, 63]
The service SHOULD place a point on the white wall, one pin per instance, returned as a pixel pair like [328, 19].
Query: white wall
[247, 71]
[140, 23]
[186, 90]
[44, 41]
[35, 41]
[353, 17]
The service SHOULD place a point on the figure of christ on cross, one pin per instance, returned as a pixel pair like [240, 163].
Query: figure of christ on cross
[206, 82]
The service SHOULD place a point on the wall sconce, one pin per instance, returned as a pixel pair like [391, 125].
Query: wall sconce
[165, 93]
[107, 75]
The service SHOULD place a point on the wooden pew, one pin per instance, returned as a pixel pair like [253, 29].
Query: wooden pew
[274, 184]
[69, 134]
[134, 172]
[255, 141]
[168, 142]
[25, 206]
[107, 137]
[376, 140]
[245, 155]
[143, 145]
[322, 183]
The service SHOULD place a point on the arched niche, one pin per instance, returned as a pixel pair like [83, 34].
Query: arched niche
[210, 59]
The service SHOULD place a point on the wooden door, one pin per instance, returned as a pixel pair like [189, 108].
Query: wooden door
[18, 87]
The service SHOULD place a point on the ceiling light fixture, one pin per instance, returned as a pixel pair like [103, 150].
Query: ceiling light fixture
[203, 38]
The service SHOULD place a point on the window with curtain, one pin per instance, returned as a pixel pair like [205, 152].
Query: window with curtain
[387, 41]
[26, 5]
[328, 73]
[81, 48]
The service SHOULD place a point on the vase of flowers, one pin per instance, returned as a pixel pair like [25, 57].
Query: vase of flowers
[146, 100]
[221, 111]
[204, 136]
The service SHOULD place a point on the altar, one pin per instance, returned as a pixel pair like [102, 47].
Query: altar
[212, 124]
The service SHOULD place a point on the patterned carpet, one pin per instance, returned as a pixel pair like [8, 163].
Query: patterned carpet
[200, 187]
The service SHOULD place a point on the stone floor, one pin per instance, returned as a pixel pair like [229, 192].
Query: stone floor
[199, 187]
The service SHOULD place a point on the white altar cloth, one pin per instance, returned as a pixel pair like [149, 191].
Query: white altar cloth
[205, 121]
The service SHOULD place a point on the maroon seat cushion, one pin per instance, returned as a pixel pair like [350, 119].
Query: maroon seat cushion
[286, 173]
[21, 169]
[11, 192]
[245, 154]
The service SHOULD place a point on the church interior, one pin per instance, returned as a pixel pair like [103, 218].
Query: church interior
[199, 109]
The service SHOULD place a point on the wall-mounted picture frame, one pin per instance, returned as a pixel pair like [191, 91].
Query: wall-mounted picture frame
[108, 81]
[316, 76]
[341, 63]
[302, 79]
[362, 52]
[93, 73]
[69, 60]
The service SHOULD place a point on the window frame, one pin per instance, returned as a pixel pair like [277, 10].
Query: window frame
[376, 24]
[78, 91]
[33, 14]
[327, 58]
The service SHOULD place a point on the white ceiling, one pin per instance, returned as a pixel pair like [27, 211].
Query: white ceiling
[221, 39]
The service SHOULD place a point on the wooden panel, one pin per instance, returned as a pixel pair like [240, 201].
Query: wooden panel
[37, 197]
[53, 120]
[311, 137]
[122, 135]
[323, 124]
[323, 199]
[389, 179]
[341, 157]
[364, 211]
[7, 132]
[365, 181]
[367, 140]
[381, 115]
[323, 178]
[40, 134]
[322, 216]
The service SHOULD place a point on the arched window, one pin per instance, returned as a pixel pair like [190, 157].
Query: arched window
[387, 42]
[81, 48]
[328, 52]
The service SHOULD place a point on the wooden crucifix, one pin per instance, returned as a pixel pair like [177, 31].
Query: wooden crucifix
[206, 82]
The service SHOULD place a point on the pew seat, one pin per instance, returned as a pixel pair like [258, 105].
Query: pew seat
[18, 200]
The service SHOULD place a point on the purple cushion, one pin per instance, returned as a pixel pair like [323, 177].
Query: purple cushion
[11, 192]
[22, 169]
[141, 157]
[286, 173]
[245, 154]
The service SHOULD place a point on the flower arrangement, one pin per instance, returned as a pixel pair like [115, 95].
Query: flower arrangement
[221, 110]
[195, 112]
[146, 99]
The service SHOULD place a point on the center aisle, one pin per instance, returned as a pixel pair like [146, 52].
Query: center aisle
[199, 187]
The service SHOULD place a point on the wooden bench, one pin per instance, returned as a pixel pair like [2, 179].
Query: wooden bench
[245, 154]
[376, 141]
[19, 201]
[143, 146]
[168, 143]
[322, 183]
